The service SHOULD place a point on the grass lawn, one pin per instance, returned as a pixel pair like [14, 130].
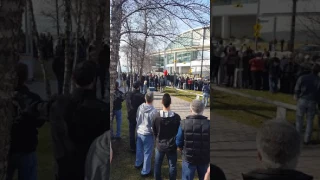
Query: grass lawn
[251, 112]
[122, 166]
[187, 95]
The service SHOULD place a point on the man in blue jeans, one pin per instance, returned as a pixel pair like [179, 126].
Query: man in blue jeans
[145, 142]
[117, 105]
[24, 134]
[165, 128]
[193, 139]
[133, 101]
[206, 94]
[307, 93]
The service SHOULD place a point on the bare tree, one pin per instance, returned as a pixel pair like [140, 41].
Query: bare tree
[10, 31]
[68, 60]
[55, 14]
[39, 49]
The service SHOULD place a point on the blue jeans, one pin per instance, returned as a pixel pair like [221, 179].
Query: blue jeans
[205, 99]
[308, 108]
[188, 170]
[26, 163]
[118, 115]
[172, 159]
[144, 152]
[273, 84]
[132, 134]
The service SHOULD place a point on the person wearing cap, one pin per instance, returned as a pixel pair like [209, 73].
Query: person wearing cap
[307, 93]
[193, 140]
[133, 100]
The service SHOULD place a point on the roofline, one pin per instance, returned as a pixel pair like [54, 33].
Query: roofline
[195, 29]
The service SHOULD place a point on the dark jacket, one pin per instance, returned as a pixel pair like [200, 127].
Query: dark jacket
[276, 174]
[133, 101]
[165, 129]
[194, 138]
[308, 87]
[118, 99]
[24, 132]
[76, 121]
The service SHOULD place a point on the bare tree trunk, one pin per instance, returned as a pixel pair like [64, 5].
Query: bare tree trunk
[293, 24]
[144, 43]
[10, 31]
[57, 17]
[131, 79]
[67, 64]
[76, 57]
[39, 50]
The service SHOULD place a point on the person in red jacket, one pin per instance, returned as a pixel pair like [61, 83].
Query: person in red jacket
[256, 67]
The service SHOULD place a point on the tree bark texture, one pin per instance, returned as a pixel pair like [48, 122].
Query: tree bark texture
[40, 53]
[145, 29]
[10, 31]
[68, 60]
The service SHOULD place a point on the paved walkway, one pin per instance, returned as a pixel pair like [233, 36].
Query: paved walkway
[233, 149]
[178, 105]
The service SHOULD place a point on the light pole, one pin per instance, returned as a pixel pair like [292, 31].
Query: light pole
[204, 34]
[257, 22]
[293, 24]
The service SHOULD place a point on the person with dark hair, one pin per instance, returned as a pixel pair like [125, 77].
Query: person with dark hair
[165, 128]
[58, 64]
[133, 100]
[117, 106]
[24, 133]
[103, 67]
[257, 66]
[274, 74]
[76, 121]
[307, 93]
[214, 172]
[232, 61]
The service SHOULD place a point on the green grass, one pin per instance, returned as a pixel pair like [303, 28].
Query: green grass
[251, 112]
[189, 95]
[122, 166]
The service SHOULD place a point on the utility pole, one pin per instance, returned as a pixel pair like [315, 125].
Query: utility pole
[257, 22]
[293, 24]
[204, 35]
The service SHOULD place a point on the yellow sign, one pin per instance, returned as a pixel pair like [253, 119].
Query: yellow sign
[256, 34]
[190, 71]
[238, 5]
[257, 27]
[174, 61]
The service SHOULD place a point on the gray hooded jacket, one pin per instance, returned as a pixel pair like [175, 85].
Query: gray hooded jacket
[145, 116]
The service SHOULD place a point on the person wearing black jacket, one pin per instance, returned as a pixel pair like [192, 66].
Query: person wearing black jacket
[165, 128]
[58, 65]
[76, 121]
[193, 139]
[117, 106]
[24, 132]
[102, 68]
[133, 101]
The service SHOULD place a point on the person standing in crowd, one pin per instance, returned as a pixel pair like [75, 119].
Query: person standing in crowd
[165, 128]
[128, 81]
[133, 100]
[231, 63]
[102, 68]
[265, 72]
[142, 82]
[247, 56]
[124, 79]
[282, 44]
[307, 93]
[279, 148]
[274, 74]
[206, 94]
[76, 121]
[58, 64]
[156, 81]
[145, 142]
[24, 133]
[117, 106]
[162, 84]
[256, 71]
[288, 77]
[193, 139]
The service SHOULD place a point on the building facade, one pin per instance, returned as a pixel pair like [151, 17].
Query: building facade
[236, 18]
[184, 54]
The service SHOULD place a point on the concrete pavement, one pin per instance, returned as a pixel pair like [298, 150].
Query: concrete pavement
[233, 149]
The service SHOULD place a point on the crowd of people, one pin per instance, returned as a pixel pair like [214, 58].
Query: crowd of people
[260, 71]
[169, 134]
